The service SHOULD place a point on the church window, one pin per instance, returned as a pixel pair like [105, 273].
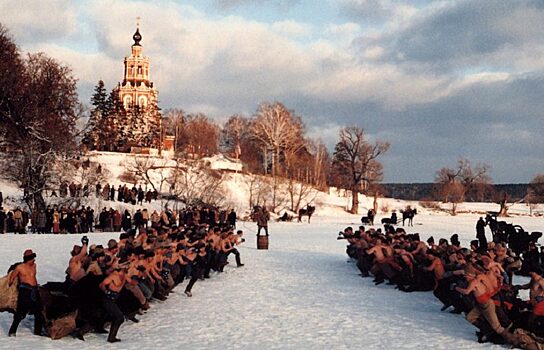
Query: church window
[143, 101]
[127, 101]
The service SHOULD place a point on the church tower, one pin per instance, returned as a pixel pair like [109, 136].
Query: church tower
[137, 89]
[139, 126]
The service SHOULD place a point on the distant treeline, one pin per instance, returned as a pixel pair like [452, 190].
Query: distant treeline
[427, 191]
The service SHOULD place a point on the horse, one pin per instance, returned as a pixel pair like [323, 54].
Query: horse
[309, 211]
[409, 214]
[390, 221]
[498, 228]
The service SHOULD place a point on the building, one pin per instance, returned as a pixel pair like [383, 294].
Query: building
[133, 119]
[137, 89]
[140, 125]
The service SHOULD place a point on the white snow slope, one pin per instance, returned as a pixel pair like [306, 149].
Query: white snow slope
[300, 294]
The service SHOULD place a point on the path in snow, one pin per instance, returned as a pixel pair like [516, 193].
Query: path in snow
[300, 294]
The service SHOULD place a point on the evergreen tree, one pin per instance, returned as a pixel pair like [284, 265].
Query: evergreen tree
[94, 137]
[153, 121]
[99, 99]
[113, 125]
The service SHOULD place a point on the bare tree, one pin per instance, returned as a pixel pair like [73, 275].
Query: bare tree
[277, 129]
[149, 170]
[198, 137]
[257, 187]
[197, 185]
[535, 193]
[532, 200]
[454, 184]
[537, 187]
[321, 164]
[299, 193]
[173, 124]
[235, 130]
[38, 112]
[355, 162]
[502, 198]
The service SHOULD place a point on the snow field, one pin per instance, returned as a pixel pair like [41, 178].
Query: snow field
[300, 294]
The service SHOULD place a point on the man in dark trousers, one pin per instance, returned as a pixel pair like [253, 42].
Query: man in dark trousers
[231, 218]
[480, 233]
[262, 218]
[370, 216]
[112, 286]
[29, 297]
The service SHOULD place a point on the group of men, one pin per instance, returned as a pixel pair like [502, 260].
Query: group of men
[134, 195]
[61, 219]
[133, 270]
[475, 281]
[13, 220]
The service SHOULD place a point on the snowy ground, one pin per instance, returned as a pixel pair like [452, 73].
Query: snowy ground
[300, 294]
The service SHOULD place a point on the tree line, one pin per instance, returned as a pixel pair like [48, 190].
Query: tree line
[467, 182]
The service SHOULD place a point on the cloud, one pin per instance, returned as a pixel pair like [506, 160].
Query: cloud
[34, 21]
[292, 29]
[226, 5]
[454, 35]
[374, 11]
[435, 89]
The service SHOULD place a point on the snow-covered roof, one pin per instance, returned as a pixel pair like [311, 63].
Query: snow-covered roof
[220, 162]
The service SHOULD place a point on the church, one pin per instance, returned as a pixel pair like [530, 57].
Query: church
[136, 89]
[130, 119]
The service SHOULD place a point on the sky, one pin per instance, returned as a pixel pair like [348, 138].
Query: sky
[438, 80]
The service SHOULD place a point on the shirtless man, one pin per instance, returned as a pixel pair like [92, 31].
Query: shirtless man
[480, 289]
[536, 295]
[29, 298]
[153, 275]
[377, 250]
[75, 270]
[436, 266]
[234, 240]
[537, 288]
[442, 278]
[383, 261]
[112, 286]
[420, 253]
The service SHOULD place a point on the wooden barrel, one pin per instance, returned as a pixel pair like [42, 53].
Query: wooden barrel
[262, 242]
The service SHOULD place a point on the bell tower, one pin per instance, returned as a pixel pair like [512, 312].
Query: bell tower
[136, 89]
